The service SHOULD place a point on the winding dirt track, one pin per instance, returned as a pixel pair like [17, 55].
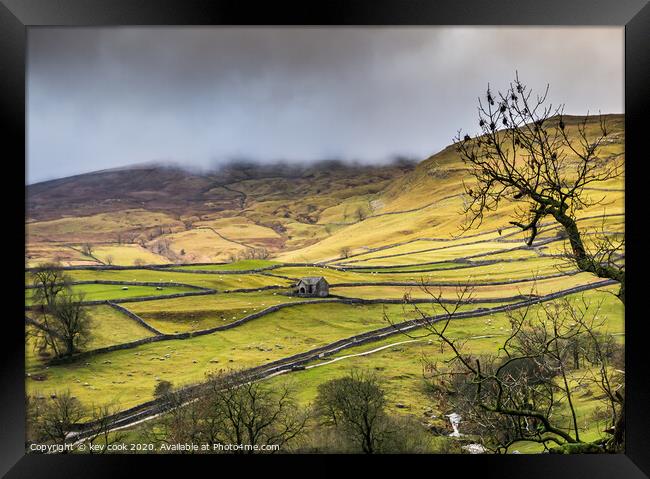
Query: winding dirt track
[153, 408]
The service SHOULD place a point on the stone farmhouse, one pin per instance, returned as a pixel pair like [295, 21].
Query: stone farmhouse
[315, 286]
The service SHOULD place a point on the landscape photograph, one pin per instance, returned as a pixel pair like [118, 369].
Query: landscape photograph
[325, 240]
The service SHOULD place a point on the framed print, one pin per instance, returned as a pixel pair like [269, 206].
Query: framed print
[333, 232]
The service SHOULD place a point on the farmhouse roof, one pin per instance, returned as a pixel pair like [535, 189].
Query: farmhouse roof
[311, 279]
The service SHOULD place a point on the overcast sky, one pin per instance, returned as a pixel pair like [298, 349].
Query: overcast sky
[108, 97]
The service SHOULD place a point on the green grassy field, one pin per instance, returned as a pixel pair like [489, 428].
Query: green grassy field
[109, 327]
[417, 253]
[213, 281]
[535, 267]
[186, 314]
[540, 287]
[103, 292]
[127, 377]
[398, 362]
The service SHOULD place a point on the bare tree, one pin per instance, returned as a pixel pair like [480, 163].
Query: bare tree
[63, 324]
[345, 252]
[250, 253]
[262, 253]
[102, 434]
[162, 247]
[355, 405]
[53, 420]
[360, 214]
[234, 410]
[530, 153]
[109, 259]
[57, 417]
[32, 417]
[528, 390]
[245, 412]
[87, 249]
[189, 222]
[71, 322]
[48, 280]
[180, 423]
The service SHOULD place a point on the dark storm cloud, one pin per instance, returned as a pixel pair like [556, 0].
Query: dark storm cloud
[102, 98]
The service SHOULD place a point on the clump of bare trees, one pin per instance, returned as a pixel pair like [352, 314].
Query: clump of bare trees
[233, 410]
[162, 247]
[62, 324]
[188, 222]
[555, 354]
[349, 415]
[530, 153]
[56, 419]
[250, 253]
[127, 237]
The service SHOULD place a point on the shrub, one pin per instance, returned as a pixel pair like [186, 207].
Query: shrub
[162, 388]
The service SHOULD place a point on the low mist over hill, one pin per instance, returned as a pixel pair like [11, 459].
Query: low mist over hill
[271, 206]
[160, 187]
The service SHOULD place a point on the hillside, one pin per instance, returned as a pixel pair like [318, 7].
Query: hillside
[318, 212]
[428, 203]
[158, 214]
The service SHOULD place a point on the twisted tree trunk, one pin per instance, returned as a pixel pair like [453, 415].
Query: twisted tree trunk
[583, 260]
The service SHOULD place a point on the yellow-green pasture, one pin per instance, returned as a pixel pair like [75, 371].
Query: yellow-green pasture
[202, 245]
[108, 325]
[127, 377]
[501, 271]
[399, 362]
[423, 251]
[540, 287]
[217, 281]
[127, 255]
[177, 315]
[103, 292]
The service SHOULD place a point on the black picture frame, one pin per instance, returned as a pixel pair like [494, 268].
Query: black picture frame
[16, 16]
